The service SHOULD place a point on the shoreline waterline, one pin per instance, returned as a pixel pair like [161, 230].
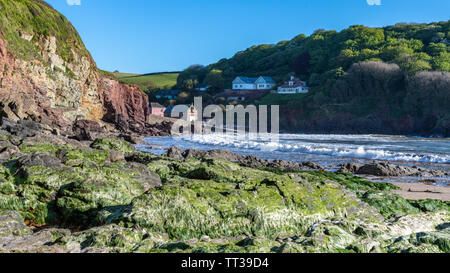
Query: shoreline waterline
[330, 151]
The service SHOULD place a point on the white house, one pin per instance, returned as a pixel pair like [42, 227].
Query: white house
[293, 86]
[265, 83]
[246, 83]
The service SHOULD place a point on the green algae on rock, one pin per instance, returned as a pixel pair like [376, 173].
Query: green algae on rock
[230, 200]
[11, 224]
[46, 191]
[113, 144]
[153, 204]
[109, 185]
[423, 242]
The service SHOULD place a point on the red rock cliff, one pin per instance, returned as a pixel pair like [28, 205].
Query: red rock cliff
[124, 105]
[38, 81]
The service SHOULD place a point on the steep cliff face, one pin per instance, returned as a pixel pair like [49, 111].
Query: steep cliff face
[42, 91]
[124, 105]
[47, 75]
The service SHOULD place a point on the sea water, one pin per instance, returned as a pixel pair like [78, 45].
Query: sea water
[328, 150]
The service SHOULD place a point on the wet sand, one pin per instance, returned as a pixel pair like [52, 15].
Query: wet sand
[416, 191]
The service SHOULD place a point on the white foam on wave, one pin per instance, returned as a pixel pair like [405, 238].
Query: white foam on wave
[328, 149]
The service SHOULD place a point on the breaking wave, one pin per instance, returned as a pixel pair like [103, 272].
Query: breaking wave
[392, 148]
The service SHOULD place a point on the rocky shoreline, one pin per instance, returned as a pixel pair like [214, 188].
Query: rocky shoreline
[92, 192]
[380, 169]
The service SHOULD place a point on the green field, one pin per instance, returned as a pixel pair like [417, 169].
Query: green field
[147, 82]
[119, 75]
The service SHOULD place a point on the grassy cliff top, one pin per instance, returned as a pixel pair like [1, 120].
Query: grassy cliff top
[146, 82]
[22, 20]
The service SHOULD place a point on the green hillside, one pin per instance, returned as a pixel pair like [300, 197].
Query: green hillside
[326, 54]
[119, 75]
[391, 80]
[37, 19]
[147, 82]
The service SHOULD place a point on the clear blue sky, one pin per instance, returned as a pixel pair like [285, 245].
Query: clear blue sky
[144, 36]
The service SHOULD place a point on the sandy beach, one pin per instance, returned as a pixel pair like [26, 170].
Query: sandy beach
[415, 191]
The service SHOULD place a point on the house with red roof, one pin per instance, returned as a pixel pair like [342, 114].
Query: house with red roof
[157, 109]
[293, 86]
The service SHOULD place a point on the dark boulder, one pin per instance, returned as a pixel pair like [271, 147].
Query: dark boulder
[285, 165]
[311, 165]
[133, 139]
[21, 128]
[247, 161]
[116, 156]
[253, 162]
[193, 153]
[39, 159]
[350, 168]
[387, 169]
[7, 152]
[140, 157]
[86, 130]
[175, 153]
[149, 180]
[160, 129]
[224, 154]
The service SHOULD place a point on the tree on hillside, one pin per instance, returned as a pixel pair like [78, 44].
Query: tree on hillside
[442, 62]
[191, 76]
[369, 79]
[301, 64]
[360, 37]
[436, 49]
[414, 63]
[429, 94]
[215, 79]
[188, 85]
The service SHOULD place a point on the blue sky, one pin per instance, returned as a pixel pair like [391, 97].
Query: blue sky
[143, 36]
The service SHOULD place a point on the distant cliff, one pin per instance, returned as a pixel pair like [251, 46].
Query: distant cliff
[47, 74]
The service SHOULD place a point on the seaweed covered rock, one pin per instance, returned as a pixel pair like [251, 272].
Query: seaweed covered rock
[388, 204]
[115, 156]
[175, 153]
[39, 159]
[218, 198]
[114, 238]
[430, 205]
[92, 189]
[52, 184]
[44, 241]
[423, 242]
[138, 202]
[141, 157]
[116, 144]
[12, 224]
